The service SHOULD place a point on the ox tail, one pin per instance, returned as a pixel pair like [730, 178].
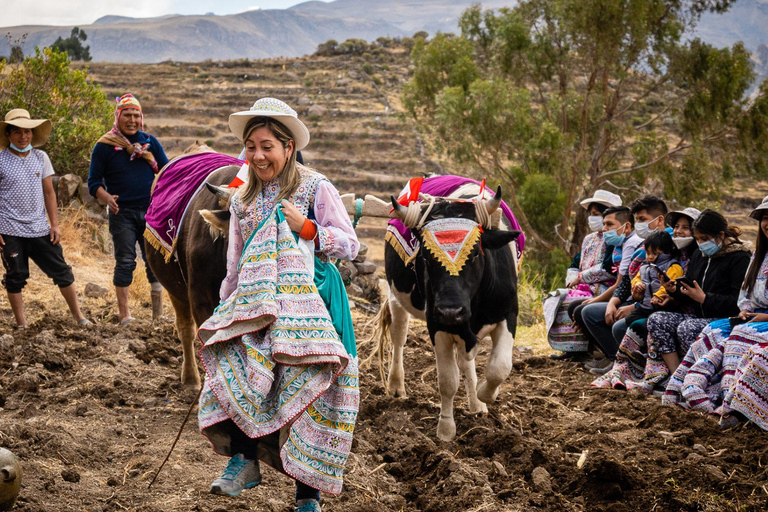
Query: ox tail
[380, 336]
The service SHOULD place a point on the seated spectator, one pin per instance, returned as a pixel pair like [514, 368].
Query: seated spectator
[589, 276]
[681, 222]
[706, 379]
[607, 323]
[661, 259]
[714, 278]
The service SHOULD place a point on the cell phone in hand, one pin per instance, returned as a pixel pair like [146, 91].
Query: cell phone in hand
[686, 281]
[662, 274]
[736, 320]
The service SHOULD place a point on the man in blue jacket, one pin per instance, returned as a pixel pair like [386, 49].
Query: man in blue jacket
[123, 165]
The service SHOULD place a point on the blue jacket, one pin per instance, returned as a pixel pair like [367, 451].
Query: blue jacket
[130, 180]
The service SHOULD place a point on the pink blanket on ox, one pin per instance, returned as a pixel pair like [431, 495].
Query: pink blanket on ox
[402, 239]
[176, 185]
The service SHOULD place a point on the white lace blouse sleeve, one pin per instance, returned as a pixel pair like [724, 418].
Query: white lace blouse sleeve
[337, 238]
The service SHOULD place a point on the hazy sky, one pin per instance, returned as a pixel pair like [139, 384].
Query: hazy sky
[84, 12]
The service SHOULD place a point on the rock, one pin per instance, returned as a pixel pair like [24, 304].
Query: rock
[69, 185]
[317, 110]
[348, 271]
[88, 200]
[342, 82]
[304, 100]
[28, 382]
[366, 267]
[81, 409]
[700, 448]
[291, 75]
[694, 457]
[393, 501]
[354, 75]
[354, 290]
[6, 343]
[499, 468]
[715, 473]
[361, 254]
[542, 482]
[70, 475]
[95, 291]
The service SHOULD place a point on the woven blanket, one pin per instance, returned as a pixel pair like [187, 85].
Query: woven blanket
[174, 188]
[401, 238]
[275, 363]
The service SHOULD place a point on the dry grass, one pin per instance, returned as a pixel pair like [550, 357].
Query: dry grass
[81, 239]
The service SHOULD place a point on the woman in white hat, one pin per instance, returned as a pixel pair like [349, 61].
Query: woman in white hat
[279, 351]
[26, 195]
[722, 371]
[588, 276]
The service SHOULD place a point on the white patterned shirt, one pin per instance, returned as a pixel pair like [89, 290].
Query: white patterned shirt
[22, 204]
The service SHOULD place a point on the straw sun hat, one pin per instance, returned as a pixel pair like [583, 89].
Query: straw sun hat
[41, 128]
[277, 110]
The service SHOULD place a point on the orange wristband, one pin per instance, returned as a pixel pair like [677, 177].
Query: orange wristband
[308, 230]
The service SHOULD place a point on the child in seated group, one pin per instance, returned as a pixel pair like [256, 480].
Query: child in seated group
[661, 255]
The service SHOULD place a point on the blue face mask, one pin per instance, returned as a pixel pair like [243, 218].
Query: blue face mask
[21, 150]
[613, 238]
[709, 248]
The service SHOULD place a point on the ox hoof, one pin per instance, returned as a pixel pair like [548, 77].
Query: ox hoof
[190, 380]
[487, 394]
[398, 393]
[446, 429]
[478, 408]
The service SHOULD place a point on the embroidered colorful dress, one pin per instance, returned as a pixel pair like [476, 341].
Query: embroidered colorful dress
[279, 351]
[705, 379]
[595, 279]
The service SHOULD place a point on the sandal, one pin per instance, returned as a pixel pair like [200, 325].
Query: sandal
[126, 321]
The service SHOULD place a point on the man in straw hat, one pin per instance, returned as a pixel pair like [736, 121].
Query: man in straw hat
[26, 195]
[123, 165]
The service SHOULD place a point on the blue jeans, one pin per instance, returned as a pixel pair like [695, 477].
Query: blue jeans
[604, 336]
[127, 228]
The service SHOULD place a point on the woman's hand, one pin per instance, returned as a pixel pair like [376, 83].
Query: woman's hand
[293, 216]
[695, 293]
[623, 312]
[755, 317]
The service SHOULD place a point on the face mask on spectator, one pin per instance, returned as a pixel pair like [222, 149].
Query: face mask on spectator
[613, 237]
[21, 150]
[682, 241]
[709, 248]
[643, 230]
[595, 222]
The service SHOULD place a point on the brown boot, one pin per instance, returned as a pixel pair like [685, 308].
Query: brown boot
[157, 305]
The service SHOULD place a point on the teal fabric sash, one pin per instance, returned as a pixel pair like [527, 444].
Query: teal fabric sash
[331, 289]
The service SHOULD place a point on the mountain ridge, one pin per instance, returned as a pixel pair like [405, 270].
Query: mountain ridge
[299, 29]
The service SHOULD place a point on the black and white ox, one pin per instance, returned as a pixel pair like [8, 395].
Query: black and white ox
[459, 309]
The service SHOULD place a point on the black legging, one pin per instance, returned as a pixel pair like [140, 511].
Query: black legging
[241, 443]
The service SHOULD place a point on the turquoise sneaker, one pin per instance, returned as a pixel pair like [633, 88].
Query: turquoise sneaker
[240, 473]
[308, 506]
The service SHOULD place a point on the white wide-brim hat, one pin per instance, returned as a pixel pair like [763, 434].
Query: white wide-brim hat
[41, 128]
[672, 217]
[758, 212]
[602, 197]
[275, 109]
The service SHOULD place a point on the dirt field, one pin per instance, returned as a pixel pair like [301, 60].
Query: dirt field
[92, 412]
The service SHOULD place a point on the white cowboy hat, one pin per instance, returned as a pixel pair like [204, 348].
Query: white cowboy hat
[41, 128]
[276, 109]
[602, 197]
[691, 213]
[757, 213]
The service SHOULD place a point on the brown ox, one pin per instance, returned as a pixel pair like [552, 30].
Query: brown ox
[193, 275]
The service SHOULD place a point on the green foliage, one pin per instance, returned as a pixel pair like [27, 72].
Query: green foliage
[556, 98]
[48, 88]
[73, 45]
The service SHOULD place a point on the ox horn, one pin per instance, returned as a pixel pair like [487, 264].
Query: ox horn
[493, 203]
[399, 210]
[222, 193]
